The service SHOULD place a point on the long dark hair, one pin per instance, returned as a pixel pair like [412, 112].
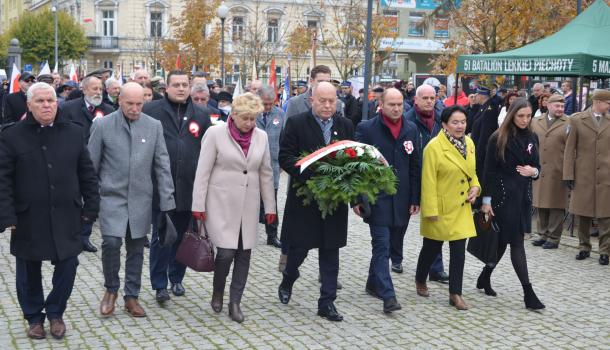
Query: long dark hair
[508, 128]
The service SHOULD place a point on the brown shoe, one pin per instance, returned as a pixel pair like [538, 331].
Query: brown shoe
[36, 331]
[282, 264]
[108, 303]
[235, 313]
[133, 307]
[457, 301]
[58, 328]
[422, 289]
[216, 301]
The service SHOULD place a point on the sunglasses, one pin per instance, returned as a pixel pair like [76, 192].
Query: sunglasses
[30, 80]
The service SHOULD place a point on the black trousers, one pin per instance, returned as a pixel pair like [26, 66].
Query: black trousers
[430, 251]
[31, 296]
[328, 260]
[241, 267]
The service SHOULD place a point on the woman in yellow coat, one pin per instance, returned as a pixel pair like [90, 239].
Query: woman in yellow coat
[449, 187]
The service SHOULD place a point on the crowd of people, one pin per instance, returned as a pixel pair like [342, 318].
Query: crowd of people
[185, 149]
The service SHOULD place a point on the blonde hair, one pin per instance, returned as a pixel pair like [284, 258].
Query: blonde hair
[247, 103]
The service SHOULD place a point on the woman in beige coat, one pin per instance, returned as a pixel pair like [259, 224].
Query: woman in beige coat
[233, 173]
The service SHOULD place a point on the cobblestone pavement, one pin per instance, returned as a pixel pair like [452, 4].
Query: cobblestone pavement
[577, 295]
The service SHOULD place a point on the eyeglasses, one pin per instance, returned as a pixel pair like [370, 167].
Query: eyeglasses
[30, 80]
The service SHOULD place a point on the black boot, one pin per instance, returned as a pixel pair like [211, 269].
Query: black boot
[531, 300]
[484, 281]
[273, 241]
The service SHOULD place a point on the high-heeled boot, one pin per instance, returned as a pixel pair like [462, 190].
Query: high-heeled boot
[484, 281]
[531, 300]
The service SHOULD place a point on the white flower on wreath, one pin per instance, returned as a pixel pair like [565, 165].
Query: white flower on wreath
[359, 151]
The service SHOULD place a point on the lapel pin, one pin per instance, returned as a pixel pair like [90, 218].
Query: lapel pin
[143, 140]
[184, 118]
[335, 133]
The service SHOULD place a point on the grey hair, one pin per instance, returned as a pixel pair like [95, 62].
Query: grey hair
[110, 81]
[421, 88]
[266, 91]
[199, 87]
[86, 81]
[538, 85]
[39, 86]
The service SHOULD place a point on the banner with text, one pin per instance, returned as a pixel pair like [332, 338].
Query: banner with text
[576, 65]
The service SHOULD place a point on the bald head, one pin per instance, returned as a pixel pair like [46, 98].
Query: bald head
[131, 100]
[425, 96]
[391, 103]
[141, 76]
[324, 100]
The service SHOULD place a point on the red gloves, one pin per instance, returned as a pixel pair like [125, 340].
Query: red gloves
[270, 218]
[199, 215]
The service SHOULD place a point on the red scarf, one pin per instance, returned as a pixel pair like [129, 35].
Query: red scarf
[242, 139]
[394, 126]
[426, 117]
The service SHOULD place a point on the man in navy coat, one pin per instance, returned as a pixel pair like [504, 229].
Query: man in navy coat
[398, 140]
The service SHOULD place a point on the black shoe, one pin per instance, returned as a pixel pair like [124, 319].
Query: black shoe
[603, 259]
[582, 255]
[370, 290]
[442, 277]
[550, 245]
[178, 289]
[538, 242]
[390, 305]
[484, 282]
[162, 295]
[272, 240]
[531, 300]
[284, 292]
[146, 242]
[88, 246]
[397, 268]
[330, 313]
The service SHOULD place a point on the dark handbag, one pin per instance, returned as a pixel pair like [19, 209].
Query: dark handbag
[485, 245]
[196, 250]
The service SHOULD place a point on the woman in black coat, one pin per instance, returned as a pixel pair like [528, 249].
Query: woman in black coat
[511, 163]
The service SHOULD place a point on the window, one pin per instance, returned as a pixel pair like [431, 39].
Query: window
[108, 64]
[441, 27]
[416, 24]
[108, 22]
[156, 24]
[237, 28]
[272, 30]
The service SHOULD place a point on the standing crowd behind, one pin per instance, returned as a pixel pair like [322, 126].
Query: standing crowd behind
[139, 155]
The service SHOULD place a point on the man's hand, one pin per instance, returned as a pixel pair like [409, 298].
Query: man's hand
[526, 170]
[270, 218]
[199, 215]
[414, 209]
[473, 193]
[357, 209]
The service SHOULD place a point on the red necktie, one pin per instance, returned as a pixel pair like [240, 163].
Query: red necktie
[91, 109]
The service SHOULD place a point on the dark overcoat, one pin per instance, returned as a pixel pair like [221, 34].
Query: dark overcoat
[511, 193]
[485, 123]
[15, 105]
[47, 183]
[76, 111]
[303, 226]
[183, 141]
[404, 155]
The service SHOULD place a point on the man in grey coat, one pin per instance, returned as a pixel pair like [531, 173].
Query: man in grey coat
[127, 148]
[302, 103]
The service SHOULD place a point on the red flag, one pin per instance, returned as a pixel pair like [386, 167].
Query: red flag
[178, 62]
[73, 73]
[273, 78]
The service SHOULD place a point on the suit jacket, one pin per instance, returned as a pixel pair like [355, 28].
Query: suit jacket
[587, 163]
[403, 154]
[303, 226]
[126, 156]
[485, 123]
[76, 111]
[549, 190]
[301, 104]
[229, 187]
[183, 140]
[15, 107]
[47, 183]
[273, 128]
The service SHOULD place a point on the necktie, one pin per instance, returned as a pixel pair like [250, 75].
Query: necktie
[599, 118]
[265, 118]
[91, 109]
[326, 132]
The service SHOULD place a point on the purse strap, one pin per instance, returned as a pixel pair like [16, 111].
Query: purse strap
[199, 228]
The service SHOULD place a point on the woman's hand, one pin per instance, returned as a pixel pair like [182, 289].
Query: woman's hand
[526, 170]
[357, 209]
[433, 218]
[199, 215]
[486, 208]
[473, 193]
[414, 209]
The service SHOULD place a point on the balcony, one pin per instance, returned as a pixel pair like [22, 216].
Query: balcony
[104, 43]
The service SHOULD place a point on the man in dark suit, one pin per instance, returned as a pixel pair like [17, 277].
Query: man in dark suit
[350, 104]
[303, 227]
[184, 124]
[398, 140]
[15, 104]
[47, 187]
[81, 112]
[485, 122]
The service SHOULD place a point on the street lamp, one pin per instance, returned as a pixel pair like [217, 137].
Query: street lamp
[54, 10]
[222, 12]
